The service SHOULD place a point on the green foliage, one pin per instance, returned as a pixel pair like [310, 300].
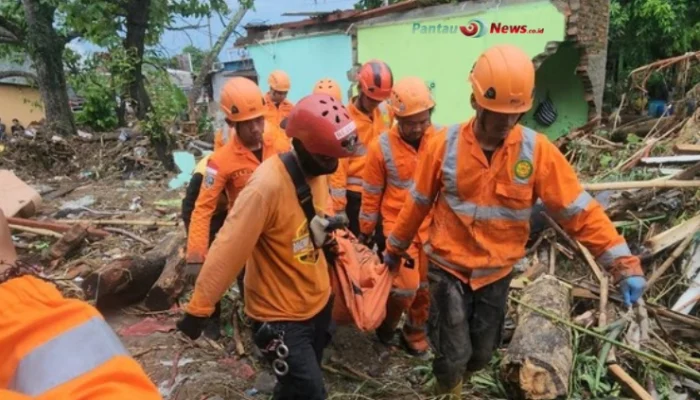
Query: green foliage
[169, 104]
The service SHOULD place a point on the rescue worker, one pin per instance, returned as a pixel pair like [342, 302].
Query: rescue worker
[481, 179]
[229, 167]
[191, 194]
[330, 87]
[277, 106]
[375, 81]
[389, 168]
[57, 348]
[287, 285]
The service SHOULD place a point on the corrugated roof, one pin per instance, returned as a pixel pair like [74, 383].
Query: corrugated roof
[329, 20]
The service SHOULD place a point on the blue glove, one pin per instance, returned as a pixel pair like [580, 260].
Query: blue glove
[392, 261]
[632, 288]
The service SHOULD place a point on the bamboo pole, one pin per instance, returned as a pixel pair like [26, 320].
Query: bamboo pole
[120, 222]
[36, 231]
[641, 185]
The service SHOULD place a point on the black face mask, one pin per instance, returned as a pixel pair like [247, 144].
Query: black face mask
[309, 165]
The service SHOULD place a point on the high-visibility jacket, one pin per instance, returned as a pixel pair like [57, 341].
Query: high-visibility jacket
[286, 277]
[221, 139]
[388, 175]
[57, 348]
[275, 114]
[348, 176]
[481, 210]
[228, 169]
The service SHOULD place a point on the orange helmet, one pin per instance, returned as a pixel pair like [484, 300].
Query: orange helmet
[323, 125]
[410, 96]
[279, 81]
[376, 80]
[503, 80]
[241, 100]
[330, 87]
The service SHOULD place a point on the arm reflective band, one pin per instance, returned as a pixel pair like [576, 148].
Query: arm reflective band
[71, 354]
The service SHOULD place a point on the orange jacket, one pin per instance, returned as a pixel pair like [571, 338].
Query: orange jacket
[220, 139]
[388, 175]
[57, 348]
[228, 169]
[286, 278]
[482, 210]
[275, 114]
[350, 170]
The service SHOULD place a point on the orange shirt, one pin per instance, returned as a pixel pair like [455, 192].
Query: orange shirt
[481, 209]
[275, 114]
[228, 170]
[286, 277]
[350, 170]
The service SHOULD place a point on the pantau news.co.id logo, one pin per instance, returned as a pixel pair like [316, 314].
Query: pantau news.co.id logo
[476, 28]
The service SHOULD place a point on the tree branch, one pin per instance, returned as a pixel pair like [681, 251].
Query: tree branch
[185, 27]
[19, 74]
[11, 27]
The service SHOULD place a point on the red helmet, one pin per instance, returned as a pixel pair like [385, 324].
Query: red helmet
[376, 80]
[323, 126]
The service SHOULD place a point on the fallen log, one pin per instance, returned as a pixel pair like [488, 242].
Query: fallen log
[93, 233]
[538, 360]
[70, 242]
[129, 279]
[169, 285]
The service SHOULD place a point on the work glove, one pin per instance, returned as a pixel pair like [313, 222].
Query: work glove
[632, 288]
[392, 261]
[191, 326]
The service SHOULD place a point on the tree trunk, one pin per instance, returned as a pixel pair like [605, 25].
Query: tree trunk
[137, 14]
[45, 48]
[170, 284]
[209, 61]
[539, 358]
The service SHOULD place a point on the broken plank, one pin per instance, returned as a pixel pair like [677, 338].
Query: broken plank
[687, 149]
[671, 159]
[120, 222]
[672, 236]
[632, 386]
[674, 255]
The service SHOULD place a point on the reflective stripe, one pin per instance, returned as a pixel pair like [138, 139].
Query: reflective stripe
[338, 192]
[467, 208]
[66, 357]
[353, 180]
[392, 172]
[403, 292]
[399, 244]
[369, 217]
[475, 273]
[610, 255]
[527, 151]
[372, 189]
[577, 206]
[419, 198]
[360, 151]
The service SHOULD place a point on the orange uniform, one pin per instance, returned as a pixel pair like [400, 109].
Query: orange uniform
[350, 170]
[275, 114]
[220, 139]
[286, 277]
[228, 169]
[481, 211]
[57, 348]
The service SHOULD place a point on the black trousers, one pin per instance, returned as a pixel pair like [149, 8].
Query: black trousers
[465, 326]
[352, 209]
[306, 341]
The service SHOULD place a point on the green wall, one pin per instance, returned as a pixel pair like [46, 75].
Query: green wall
[445, 56]
[557, 75]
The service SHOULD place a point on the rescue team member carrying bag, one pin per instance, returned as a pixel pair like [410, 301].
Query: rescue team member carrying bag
[360, 282]
[287, 285]
[55, 348]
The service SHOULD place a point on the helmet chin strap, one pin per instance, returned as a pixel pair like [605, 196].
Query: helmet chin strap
[308, 164]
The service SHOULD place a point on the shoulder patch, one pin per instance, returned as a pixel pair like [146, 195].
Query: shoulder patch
[210, 173]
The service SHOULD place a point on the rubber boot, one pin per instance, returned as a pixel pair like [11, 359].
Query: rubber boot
[453, 393]
[394, 309]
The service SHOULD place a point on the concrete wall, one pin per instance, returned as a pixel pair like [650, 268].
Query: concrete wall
[306, 59]
[21, 102]
[557, 76]
[445, 59]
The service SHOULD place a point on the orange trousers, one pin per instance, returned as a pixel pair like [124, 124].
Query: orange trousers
[410, 293]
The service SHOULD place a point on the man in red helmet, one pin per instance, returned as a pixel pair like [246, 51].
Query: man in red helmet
[375, 81]
[287, 285]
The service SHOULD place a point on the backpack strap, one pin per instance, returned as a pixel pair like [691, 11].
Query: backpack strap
[306, 200]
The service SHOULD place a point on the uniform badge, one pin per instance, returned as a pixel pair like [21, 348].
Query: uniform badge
[209, 176]
[523, 169]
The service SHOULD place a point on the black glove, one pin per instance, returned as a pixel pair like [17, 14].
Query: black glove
[191, 326]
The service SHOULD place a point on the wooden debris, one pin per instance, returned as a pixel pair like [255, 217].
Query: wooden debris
[591, 262]
[169, 285]
[120, 222]
[36, 231]
[69, 242]
[641, 185]
[93, 233]
[674, 255]
[623, 378]
[129, 279]
[671, 159]
[687, 149]
[672, 236]
[129, 235]
[685, 303]
[539, 358]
